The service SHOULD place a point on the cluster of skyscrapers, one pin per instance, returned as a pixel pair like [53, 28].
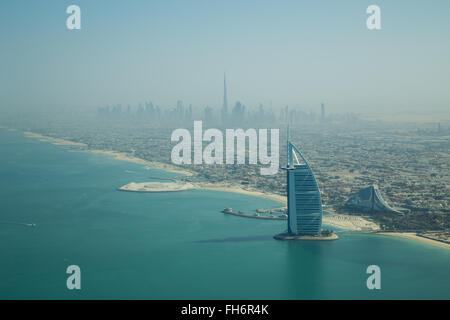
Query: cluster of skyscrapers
[237, 115]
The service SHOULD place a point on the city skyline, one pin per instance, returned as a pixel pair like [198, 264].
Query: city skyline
[226, 150]
[298, 53]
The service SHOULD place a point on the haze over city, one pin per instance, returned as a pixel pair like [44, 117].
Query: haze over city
[207, 149]
[298, 53]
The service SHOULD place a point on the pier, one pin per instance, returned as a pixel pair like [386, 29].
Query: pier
[254, 216]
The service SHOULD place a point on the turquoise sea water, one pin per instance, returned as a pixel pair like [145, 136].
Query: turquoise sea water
[175, 245]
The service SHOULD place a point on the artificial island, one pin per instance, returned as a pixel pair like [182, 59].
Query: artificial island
[304, 204]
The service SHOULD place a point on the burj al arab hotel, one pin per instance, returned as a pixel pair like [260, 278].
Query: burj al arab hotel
[304, 202]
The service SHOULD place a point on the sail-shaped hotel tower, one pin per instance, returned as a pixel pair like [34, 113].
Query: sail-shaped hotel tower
[304, 202]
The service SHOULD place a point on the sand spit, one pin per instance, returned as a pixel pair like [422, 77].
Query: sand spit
[55, 141]
[151, 164]
[156, 187]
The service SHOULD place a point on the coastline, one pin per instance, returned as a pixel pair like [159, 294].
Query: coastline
[413, 236]
[347, 222]
[55, 141]
[344, 221]
[130, 158]
[116, 155]
[352, 223]
[237, 189]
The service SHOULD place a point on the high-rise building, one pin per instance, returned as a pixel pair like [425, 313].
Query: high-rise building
[322, 114]
[208, 114]
[225, 101]
[304, 201]
[370, 200]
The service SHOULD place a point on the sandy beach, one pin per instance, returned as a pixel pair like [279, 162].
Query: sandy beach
[151, 164]
[354, 223]
[343, 221]
[413, 236]
[350, 222]
[116, 155]
[236, 189]
[55, 141]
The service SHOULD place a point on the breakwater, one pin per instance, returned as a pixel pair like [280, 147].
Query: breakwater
[254, 216]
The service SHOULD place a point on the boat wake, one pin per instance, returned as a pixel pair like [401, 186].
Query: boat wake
[19, 223]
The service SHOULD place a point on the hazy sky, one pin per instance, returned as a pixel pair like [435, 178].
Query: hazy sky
[287, 52]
